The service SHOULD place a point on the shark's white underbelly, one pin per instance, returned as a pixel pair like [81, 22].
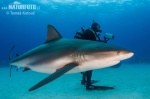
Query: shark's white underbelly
[83, 66]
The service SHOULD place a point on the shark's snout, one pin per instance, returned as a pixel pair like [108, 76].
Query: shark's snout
[125, 54]
[130, 54]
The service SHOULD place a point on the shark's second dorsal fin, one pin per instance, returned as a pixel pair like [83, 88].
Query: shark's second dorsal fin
[52, 34]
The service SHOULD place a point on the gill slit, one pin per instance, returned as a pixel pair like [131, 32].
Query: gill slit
[79, 57]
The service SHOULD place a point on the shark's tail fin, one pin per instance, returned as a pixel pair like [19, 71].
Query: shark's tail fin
[10, 52]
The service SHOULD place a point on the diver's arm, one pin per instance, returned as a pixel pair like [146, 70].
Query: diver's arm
[106, 39]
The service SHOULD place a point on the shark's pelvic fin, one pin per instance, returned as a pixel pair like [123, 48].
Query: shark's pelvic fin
[55, 75]
[26, 69]
[52, 34]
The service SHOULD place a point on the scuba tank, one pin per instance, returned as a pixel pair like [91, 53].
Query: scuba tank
[79, 34]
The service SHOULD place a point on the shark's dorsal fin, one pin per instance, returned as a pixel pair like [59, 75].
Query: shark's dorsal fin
[52, 34]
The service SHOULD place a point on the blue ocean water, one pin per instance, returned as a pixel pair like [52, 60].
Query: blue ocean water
[128, 20]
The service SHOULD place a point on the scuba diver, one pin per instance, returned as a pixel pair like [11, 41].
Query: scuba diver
[93, 34]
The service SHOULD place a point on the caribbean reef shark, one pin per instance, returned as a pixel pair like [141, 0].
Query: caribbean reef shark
[58, 56]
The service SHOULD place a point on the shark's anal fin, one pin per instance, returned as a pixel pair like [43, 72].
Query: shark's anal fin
[55, 75]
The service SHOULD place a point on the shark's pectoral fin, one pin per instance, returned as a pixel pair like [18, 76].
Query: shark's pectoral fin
[55, 75]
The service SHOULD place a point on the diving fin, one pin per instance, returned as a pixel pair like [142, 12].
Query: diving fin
[55, 75]
[92, 87]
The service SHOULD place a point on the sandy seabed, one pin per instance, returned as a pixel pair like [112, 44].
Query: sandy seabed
[131, 81]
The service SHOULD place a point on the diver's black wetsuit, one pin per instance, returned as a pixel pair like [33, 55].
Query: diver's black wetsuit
[90, 34]
[86, 78]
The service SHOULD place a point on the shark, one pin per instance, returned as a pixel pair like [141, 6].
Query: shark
[58, 56]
